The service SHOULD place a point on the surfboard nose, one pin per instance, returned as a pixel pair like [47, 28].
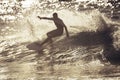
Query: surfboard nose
[33, 46]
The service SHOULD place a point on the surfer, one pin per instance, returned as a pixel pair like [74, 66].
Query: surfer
[57, 32]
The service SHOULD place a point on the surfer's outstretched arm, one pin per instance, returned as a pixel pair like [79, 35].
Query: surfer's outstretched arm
[45, 18]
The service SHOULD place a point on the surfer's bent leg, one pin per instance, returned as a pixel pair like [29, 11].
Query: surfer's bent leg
[49, 38]
[54, 33]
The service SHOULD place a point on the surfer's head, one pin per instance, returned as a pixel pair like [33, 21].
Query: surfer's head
[55, 15]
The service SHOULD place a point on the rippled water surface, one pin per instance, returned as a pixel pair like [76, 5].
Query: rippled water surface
[54, 63]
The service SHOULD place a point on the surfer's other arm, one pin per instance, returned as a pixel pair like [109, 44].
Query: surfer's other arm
[67, 33]
[45, 18]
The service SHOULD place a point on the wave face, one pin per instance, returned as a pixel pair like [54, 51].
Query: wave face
[31, 26]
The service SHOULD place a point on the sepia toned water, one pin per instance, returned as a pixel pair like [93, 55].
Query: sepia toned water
[75, 58]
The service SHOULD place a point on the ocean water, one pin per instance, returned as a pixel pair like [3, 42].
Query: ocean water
[74, 58]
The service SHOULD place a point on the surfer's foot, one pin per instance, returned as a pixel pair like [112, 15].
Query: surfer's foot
[38, 44]
[51, 41]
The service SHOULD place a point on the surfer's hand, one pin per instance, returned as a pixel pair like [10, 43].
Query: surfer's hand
[39, 17]
[67, 35]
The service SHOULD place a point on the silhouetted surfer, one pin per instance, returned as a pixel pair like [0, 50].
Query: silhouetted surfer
[57, 32]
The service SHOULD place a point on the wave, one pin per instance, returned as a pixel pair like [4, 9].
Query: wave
[30, 27]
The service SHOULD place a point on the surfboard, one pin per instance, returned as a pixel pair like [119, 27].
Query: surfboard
[34, 46]
[37, 47]
[47, 46]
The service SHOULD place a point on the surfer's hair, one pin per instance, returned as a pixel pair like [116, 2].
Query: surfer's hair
[55, 15]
